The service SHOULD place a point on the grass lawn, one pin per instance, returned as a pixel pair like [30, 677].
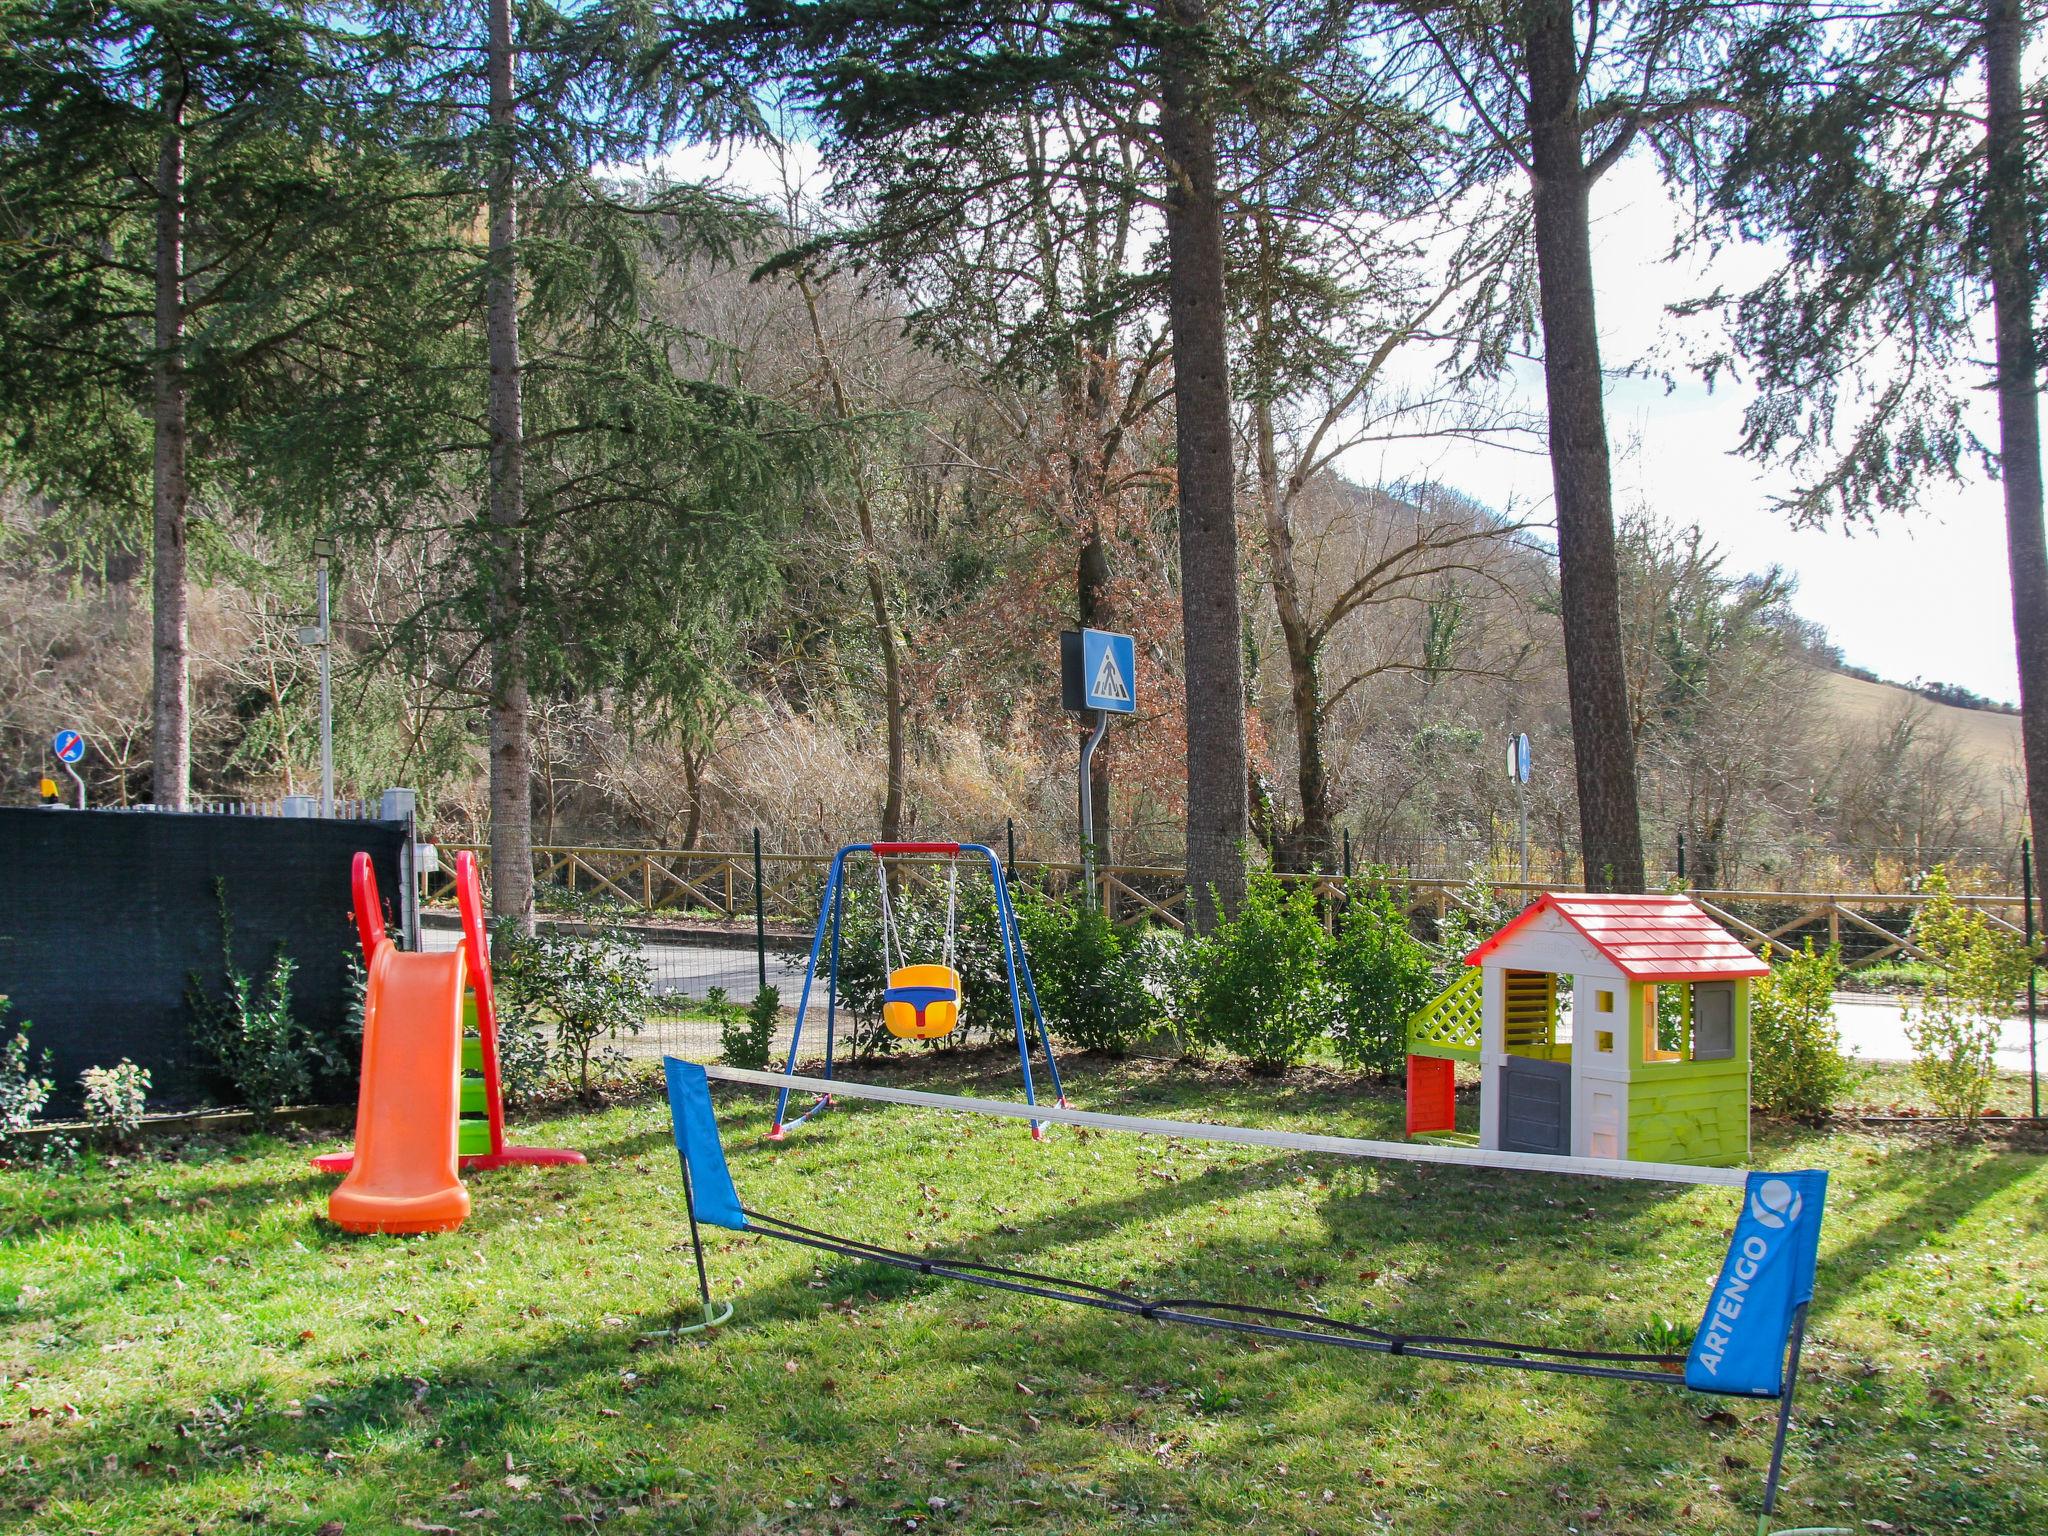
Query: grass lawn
[185, 1344]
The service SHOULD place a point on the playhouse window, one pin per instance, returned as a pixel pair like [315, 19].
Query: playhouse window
[1663, 1024]
[1689, 1022]
[1604, 1001]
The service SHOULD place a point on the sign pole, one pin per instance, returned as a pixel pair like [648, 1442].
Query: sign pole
[1088, 800]
[79, 782]
[322, 548]
[1099, 676]
[1522, 819]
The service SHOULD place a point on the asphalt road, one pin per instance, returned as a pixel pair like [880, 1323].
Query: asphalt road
[689, 970]
[1874, 1028]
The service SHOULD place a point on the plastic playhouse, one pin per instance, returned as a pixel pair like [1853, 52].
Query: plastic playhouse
[1654, 1066]
[431, 1102]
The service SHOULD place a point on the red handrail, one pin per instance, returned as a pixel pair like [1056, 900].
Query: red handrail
[469, 897]
[369, 908]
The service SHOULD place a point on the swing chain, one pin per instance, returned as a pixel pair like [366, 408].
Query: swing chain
[952, 905]
[888, 914]
[892, 957]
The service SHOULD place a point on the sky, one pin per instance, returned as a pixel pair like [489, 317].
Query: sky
[1923, 598]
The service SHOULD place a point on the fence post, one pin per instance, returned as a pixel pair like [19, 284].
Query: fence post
[1347, 853]
[1010, 838]
[403, 805]
[760, 917]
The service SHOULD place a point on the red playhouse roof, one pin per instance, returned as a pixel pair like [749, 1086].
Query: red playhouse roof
[1649, 938]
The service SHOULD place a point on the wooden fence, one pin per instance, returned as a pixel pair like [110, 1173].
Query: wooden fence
[711, 886]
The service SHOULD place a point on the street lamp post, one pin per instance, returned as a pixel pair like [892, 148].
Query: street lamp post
[321, 634]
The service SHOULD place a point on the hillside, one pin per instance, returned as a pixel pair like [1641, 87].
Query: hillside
[1990, 740]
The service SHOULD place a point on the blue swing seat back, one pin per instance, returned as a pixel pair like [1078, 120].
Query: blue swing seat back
[921, 1002]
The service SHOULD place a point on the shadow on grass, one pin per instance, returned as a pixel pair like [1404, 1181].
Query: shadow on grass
[1519, 1242]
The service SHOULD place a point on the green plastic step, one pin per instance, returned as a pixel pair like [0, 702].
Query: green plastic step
[472, 1138]
[472, 1056]
[474, 1100]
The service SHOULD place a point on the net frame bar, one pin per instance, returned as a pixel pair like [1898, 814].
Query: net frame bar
[1242, 1135]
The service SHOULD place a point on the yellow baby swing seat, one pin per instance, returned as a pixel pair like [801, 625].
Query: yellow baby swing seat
[921, 1002]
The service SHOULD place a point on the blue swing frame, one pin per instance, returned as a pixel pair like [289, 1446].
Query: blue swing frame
[1015, 965]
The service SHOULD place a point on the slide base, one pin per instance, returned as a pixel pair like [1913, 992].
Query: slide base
[541, 1157]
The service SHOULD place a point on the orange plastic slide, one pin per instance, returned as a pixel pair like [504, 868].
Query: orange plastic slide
[404, 1175]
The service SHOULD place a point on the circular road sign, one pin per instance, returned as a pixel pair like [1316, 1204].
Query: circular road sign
[68, 745]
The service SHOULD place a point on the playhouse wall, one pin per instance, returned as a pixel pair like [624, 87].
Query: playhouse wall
[1698, 1114]
[1689, 1111]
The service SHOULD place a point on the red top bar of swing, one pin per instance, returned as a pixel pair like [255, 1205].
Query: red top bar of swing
[886, 849]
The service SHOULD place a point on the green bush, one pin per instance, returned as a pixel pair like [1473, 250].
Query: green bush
[1091, 976]
[1476, 914]
[1795, 1052]
[24, 1090]
[1258, 983]
[745, 1035]
[587, 984]
[522, 1059]
[1383, 975]
[1955, 1027]
[267, 1057]
[115, 1098]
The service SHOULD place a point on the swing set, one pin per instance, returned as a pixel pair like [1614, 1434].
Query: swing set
[922, 1000]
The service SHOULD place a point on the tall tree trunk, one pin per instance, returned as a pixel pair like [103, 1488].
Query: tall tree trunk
[892, 676]
[1610, 827]
[170, 681]
[2019, 399]
[693, 786]
[511, 747]
[1211, 622]
[878, 590]
[1091, 595]
[1309, 845]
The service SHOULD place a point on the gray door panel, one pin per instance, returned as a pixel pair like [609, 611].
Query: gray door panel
[1536, 1106]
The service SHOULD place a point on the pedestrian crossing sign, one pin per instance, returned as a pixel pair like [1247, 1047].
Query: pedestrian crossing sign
[1099, 670]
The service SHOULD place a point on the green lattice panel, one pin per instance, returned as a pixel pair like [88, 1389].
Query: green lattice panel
[1449, 1026]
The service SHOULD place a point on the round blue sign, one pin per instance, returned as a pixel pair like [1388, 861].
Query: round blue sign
[68, 745]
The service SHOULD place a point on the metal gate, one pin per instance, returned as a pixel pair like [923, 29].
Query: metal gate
[1536, 1106]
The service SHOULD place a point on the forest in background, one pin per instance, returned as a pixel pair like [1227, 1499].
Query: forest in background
[1749, 745]
[665, 509]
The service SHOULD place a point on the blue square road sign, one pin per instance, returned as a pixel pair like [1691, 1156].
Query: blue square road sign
[1109, 671]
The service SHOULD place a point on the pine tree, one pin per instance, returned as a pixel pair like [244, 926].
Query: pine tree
[1893, 156]
[1558, 92]
[617, 507]
[194, 197]
[882, 80]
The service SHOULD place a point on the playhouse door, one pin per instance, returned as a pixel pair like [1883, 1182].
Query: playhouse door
[1535, 1106]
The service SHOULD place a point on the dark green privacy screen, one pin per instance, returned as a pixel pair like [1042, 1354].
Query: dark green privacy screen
[104, 915]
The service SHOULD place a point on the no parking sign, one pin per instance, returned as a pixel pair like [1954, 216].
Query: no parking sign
[69, 747]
